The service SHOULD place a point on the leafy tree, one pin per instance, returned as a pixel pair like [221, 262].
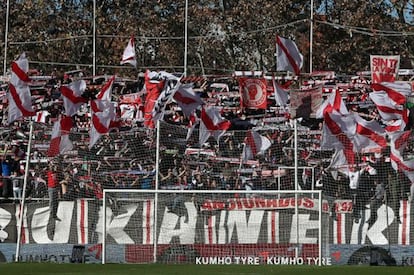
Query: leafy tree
[223, 35]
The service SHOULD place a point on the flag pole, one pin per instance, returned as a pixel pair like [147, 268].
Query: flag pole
[6, 34]
[94, 39]
[185, 37]
[157, 180]
[242, 157]
[22, 202]
[295, 129]
[311, 39]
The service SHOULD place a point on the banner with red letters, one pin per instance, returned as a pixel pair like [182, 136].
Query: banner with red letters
[384, 68]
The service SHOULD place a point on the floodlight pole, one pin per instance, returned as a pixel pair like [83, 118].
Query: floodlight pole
[22, 201]
[185, 37]
[311, 38]
[6, 34]
[94, 39]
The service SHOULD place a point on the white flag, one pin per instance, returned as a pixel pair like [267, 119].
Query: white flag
[212, 124]
[255, 144]
[19, 96]
[129, 56]
[288, 56]
[72, 96]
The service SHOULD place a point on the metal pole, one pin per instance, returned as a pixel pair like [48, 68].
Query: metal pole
[201, 63]
[320, 227]
[22, 202]
[295, 133]
[311, 39]
[94, 39]
[185, 37]
[104, 227]
[295, 136]
[6, 34]
[157, 169]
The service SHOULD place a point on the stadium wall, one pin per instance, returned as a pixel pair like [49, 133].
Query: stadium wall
[249, 229]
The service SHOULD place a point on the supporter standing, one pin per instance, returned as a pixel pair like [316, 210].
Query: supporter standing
[52, 188]
[376, 201]
[17, 186]
[6, 169]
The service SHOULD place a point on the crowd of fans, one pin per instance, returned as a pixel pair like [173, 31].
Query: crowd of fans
[125, 158]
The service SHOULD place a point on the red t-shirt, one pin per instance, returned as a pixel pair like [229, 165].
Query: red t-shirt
[51, 179]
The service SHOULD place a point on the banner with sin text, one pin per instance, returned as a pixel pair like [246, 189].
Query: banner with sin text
[384, 68]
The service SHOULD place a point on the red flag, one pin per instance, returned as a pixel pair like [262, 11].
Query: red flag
[153, 88]
[60, 142]
[129, 56]
[288, 56]
[253, 92]
[72, 96]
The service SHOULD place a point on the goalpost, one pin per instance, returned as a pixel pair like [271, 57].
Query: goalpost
[214, 227]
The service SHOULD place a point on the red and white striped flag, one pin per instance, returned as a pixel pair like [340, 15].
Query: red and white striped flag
[288, 56]
[396, 91]
[187, 99]
[72, 96]
[193, 120]
[255, 144]
[41, 116]
[106, 91]
[60, 142]
[337, 133]
[129, 56]
[398, 143]
[397, 125]
[104, 96]
[370, 135]
[101, 122]
[333, 102]
[280, 93]
[19, 96]
[212, 124]
[387, 108]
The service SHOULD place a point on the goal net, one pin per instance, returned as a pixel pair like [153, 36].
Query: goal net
[214, 227]
[167, 159]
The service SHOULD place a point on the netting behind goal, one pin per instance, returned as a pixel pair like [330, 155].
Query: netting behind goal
[213, 227]
[167, 159]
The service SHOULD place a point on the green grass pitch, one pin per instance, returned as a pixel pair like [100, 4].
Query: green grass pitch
[163, 269]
